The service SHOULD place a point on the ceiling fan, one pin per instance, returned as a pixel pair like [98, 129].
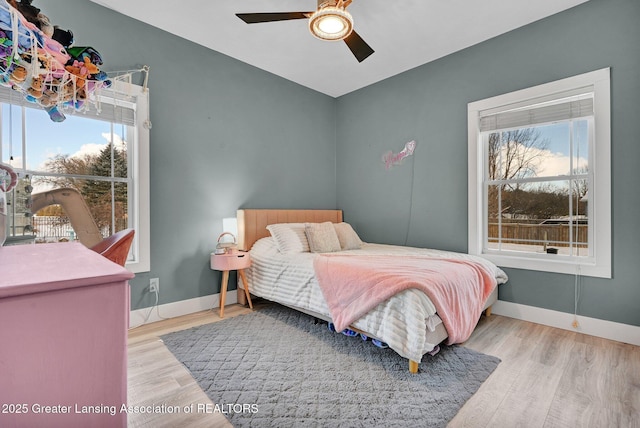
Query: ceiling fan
[330, 21]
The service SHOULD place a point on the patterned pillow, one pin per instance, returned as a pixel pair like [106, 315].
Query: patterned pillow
[322, 237]
[290, 237]
[349, 239]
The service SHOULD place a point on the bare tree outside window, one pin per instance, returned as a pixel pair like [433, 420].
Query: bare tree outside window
[515, 154]
[106, 199]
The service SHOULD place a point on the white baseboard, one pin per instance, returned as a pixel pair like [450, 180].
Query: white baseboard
[592, 326]
[175, 309]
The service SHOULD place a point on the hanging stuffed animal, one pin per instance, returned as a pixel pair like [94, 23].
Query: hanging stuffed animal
[33, 15]
[64, 37]
[42, 22]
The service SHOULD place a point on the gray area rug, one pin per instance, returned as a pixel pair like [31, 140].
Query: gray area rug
[275, 368]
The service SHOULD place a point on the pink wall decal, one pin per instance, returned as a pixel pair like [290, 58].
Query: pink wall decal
[390, 159]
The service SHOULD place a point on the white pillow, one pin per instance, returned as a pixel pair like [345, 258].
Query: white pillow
[349, 239]
[290, 237]
[322, 237]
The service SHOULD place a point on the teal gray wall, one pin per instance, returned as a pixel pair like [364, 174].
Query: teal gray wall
[225, 135]
[429, 104]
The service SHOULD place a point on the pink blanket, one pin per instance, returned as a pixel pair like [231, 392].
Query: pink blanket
[353, 285]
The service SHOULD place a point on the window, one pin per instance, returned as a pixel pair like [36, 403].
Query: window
[540, 177]
[102, 154]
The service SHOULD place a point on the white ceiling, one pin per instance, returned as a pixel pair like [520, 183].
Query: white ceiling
[403, 33]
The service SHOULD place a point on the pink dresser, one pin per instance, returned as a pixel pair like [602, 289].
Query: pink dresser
[64, 313]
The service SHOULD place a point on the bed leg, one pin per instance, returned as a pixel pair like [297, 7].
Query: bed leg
[242, 299]
[487, 312]
[413, 367]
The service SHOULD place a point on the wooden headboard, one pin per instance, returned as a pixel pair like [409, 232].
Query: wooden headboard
[252, 224]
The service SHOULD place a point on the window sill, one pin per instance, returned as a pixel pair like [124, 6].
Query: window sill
[550, 263]
[137, 267]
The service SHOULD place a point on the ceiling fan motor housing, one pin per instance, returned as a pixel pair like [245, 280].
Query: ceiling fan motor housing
[335, 3]
[326, 3]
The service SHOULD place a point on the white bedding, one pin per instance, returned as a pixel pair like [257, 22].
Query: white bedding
[402, 321]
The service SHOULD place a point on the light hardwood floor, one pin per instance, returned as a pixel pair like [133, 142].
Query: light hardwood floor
[547, 378]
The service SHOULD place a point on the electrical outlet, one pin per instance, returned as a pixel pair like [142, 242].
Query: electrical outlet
[154, 285]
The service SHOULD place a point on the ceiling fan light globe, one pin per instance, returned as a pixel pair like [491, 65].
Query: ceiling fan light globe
[331, 23]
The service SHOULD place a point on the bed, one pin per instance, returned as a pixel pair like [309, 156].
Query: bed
[407, 321]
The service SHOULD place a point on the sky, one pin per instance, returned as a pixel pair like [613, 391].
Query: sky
[75, 136]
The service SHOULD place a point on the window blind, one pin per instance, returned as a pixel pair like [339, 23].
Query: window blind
[537, 113]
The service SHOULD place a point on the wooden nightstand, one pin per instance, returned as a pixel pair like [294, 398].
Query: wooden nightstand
[237, 261]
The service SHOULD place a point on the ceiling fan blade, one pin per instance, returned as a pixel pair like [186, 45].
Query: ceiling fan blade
[360, 49]
[255, 18]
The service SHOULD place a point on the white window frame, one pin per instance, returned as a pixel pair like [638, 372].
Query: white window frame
[136, 98]
[139, 169]
[599, 265]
